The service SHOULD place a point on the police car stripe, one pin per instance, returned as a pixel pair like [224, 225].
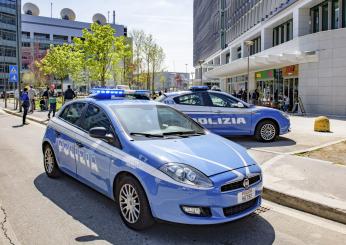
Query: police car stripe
[128, 159]
[240, 175]
[247, 170]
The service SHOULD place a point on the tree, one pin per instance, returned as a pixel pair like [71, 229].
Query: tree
[157, 57]
[122, 61]
[61, 61]
[147, 53]
[138, 37]
[101, 50]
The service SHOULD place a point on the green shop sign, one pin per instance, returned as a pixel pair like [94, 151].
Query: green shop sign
[265, 75]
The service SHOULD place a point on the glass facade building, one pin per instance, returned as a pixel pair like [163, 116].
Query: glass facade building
[9, 28]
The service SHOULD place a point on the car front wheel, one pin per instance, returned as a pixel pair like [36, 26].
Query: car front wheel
[266, 131]
[50, 165]
[133, 204]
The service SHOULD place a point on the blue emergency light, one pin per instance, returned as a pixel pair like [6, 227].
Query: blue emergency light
[199, 88]
[107, 94]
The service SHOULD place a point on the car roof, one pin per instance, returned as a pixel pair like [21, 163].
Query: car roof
[119, 102]
[174, 94]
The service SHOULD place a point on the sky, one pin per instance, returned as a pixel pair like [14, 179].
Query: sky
[169, 21]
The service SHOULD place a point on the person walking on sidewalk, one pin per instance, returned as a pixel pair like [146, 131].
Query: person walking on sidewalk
[69, 94]
[32, 94]
[25, 104]
[52, 101]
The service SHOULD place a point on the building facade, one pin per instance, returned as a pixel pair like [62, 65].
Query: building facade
[297, 50]
[9, 33]
[39, 32]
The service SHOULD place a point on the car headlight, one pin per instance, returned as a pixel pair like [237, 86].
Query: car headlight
[186, 174]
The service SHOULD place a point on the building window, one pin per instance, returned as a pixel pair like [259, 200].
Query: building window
[256, 47]
[8, 35]
[239, 53]
[325, 16]
[8, 19]
[315, 16]
[25, 44]
[228, 57]
[343, 13]
[25, 34]
[335, 14]
[41, 36]
[279, 36]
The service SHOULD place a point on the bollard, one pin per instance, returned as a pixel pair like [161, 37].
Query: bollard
[322, 124]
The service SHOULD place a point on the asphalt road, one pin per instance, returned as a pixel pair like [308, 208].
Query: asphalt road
[38, 210]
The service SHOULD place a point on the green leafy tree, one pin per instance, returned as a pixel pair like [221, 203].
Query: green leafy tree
[157, 57]
[60, 62]
[100, 49]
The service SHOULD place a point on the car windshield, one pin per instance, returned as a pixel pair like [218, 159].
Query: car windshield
[155, 121]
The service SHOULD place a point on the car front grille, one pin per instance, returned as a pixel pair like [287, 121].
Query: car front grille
[239, 184]
[229, 211]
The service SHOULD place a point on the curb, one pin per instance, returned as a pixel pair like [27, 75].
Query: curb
[28, 117]
[304, 205]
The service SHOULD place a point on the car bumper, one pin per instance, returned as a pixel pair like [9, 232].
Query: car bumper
[224, 207]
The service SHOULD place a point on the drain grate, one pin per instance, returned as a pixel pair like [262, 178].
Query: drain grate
[261, 210]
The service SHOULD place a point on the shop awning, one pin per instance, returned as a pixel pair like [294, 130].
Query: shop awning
[261, 62]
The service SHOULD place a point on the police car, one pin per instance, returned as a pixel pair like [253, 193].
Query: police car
[152, 160]
[226, 115]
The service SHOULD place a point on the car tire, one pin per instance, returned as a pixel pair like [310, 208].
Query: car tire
[266, 131]
[50, 164]
[134, 208]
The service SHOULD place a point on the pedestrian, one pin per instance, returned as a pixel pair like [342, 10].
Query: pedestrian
[45, 96]
[52, 95]
[69, 94]
[25, 104]
[32, 94]
[286, 103]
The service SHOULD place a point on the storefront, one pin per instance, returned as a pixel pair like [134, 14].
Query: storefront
[276, 86]
[237, 85]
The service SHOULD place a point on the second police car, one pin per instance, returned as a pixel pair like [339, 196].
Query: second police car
[226, 115]
[154, 161]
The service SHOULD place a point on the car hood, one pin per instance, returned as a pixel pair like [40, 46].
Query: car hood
[210, 154]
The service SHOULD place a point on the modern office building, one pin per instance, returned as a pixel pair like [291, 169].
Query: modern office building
[39, 32]
[297, 49]
[9, 33]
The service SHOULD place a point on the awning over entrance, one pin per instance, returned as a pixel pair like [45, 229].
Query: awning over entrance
[261, 62]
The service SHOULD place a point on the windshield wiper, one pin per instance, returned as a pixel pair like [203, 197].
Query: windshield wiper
[184, 133]
[148, 135]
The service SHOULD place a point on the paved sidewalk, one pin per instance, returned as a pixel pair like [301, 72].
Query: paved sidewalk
[311, 185]
[37, 116]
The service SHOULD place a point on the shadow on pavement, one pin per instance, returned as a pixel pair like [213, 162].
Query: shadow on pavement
[99, 214]
[250, 142]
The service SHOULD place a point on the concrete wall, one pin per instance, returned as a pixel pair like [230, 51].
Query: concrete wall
[322, 85]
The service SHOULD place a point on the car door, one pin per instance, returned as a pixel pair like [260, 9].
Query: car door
[230, 116]
[66, 136]
[194, 105]
[94, 159]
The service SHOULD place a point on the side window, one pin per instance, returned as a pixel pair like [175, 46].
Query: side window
[190, 99]
[73, 113]
[95, 117]
[219, 100]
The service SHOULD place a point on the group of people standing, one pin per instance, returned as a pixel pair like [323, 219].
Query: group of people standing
[48, 101]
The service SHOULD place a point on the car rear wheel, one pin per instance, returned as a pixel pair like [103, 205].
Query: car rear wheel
[50, 165]
[133, 204]
[266, 131]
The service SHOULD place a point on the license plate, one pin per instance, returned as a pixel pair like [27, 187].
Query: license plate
[246, 195]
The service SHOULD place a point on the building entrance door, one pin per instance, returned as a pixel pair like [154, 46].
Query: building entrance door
[290, 90]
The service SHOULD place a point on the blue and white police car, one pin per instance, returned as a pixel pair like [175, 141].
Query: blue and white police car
[155, 162]
[226, 115]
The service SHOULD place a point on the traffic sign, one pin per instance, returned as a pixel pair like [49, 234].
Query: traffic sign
[13, 73]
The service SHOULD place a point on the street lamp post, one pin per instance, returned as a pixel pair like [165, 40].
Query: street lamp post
[200, 62]
[248, 44]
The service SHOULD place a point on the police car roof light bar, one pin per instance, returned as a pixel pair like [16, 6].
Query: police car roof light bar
[199, 88]
[107, 94]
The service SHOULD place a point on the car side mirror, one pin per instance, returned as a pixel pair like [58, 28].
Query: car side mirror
[101, 133]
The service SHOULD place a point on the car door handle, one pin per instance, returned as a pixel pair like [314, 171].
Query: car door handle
[218, 111]
[80, 145]
[57, 134]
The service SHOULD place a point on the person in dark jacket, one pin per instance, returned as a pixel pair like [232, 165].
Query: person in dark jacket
[69, 94]
[25, 104]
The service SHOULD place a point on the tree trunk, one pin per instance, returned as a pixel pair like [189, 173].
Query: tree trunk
[153, 80]
[62, 90]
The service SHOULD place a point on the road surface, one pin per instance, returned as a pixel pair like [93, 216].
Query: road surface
[38, 210]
